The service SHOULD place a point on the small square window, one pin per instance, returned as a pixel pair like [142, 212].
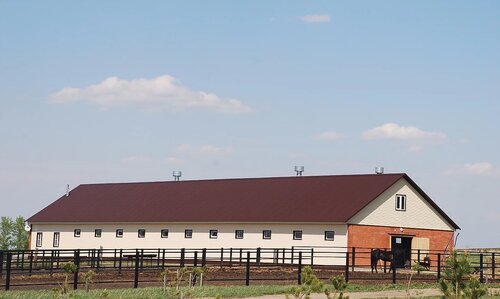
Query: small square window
[213, 234]
[141, 233]
[188, 233]
[119, 233]
[98, 233]
[57, 237]
[39, 239]
[400, 202]
[77, 233]
[238, 234]
[329, 235]
[297, 235]
[266, 234]
[164, 233]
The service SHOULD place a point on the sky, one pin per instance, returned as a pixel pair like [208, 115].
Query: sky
[123, 91]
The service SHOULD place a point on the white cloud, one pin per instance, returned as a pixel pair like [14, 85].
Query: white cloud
[315, 18]
[160, 93]
[329, 136]
[479, 169]
[174, 160]
[397, 132]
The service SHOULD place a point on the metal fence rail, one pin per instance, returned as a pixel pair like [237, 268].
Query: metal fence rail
[246, 264]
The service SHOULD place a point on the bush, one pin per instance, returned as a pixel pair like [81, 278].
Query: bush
[310, 284]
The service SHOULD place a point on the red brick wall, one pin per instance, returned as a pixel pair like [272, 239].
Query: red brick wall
[364, 236]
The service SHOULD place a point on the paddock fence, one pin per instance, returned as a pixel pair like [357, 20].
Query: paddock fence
[115, 268]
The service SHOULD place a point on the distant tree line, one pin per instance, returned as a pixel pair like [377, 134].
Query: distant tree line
[12, 234]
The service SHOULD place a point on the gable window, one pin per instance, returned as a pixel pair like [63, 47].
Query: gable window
[98, 233]
[164, 233]
[77, 233]
[297, 235]
[266, 234]
[188, 233]
[329, 235]
[213, 234]
[400, 202]
[141, 233]
[57, 237]
[39, 239]
[238, 234]
[119, 233]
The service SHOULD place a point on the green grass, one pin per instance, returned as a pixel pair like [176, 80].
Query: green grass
[200, 292]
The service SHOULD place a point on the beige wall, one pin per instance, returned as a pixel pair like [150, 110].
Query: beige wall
[282, 236]
[419, 213]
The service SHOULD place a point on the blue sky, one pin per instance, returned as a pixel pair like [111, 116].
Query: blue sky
[121, 91]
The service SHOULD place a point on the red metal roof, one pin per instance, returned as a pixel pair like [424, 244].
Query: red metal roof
[286, 199]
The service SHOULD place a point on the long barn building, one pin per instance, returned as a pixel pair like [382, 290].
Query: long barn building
[368, 211]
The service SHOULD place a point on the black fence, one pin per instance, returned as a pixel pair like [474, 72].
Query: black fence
[134, 267]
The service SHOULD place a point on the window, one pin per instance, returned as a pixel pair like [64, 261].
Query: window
[213, 234]
[98, 233]
[39, 239]
[297, 235]
[55, 242]
[141, 233]
[188, 233]
[77, 233]
[119, 233]
[266, 234]
[400, 202]
[329, 235]
[238, 234]
[164, 233]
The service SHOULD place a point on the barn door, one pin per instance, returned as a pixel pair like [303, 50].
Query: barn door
[401, 250]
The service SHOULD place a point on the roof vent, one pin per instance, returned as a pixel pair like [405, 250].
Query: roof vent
[379, 170]
[299, 170]
[177, 175]
[67, 189]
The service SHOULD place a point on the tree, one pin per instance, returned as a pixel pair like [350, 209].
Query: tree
[6, 233]
[20, 235]
[310, 284]
[454, 283]
[12, 234]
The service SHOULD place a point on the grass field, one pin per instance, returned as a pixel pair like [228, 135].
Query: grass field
[200, 292]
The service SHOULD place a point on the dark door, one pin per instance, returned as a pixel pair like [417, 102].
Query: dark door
[401, 250]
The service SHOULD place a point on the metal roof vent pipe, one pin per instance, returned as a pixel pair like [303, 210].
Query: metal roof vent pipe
[67, 190]
[379, 170]
[299, 170]
[177, 175]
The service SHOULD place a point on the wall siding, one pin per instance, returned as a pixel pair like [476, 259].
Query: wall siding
[419, 213]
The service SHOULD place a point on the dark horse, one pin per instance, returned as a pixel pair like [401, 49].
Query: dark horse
[381, 254]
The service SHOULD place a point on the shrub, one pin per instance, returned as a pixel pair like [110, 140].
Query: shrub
[339, 285]
[310, 283]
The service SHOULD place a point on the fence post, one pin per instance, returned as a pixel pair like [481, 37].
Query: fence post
[183, 252]
[258, 257]
[77, 264]
[481, 269]
[283, 260]
[247, 279]
[30, 265]
[142, 259]
[7, 270]
[120, 262]
[299, 272]
[312, 257]
[393, 266]
[492, 265]
[439, 267]
[204, 257]
[353, 262]
[230, 257]
[291, 256]
[346, 275]
[1, 263]
[163, 259]
[418, 258]
[136, 270]
[221, 257]
[195, 262]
